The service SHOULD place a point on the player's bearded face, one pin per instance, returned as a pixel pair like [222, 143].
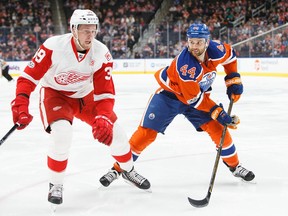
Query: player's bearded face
[197, 46]
[86, 34]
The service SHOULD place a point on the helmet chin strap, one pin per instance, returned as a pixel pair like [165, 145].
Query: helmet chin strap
[78, 42]
[202, 56]
[76, 38]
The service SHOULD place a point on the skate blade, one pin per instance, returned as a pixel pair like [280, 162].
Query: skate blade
[102, 187]
[146, 190]
[249, 182]
[53, 209]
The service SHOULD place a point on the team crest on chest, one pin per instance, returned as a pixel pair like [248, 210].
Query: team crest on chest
[207, 80]
[70, 77]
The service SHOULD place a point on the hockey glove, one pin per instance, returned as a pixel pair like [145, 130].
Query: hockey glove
[102, 129]
[234, 86]
[218, 113]
[20, 113]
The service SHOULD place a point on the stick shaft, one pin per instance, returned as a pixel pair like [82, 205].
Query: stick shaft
[204, 202]
[8, 133]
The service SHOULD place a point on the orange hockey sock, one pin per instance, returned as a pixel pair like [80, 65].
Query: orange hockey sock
[142, 138]
[229, 154]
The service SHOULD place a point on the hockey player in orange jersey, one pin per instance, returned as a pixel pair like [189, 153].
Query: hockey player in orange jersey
[185, 87]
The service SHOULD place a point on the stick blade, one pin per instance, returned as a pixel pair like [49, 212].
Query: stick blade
[199, 203]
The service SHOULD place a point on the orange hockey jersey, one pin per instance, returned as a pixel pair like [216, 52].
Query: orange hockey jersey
[191, 80]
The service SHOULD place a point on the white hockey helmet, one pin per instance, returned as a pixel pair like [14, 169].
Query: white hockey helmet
[83, 17]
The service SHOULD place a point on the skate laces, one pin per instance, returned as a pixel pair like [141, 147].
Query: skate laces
[240, 171]
[56, 190]
[111, 175]
[135, 177]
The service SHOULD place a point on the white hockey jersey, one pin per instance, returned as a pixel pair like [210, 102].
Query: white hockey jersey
[59, 66]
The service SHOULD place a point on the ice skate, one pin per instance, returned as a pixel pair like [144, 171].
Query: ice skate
[242, 173]
[108, 178]
[55, 195]
[136, 179]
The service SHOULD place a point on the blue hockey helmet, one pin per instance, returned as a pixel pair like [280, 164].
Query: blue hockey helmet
[198, 31]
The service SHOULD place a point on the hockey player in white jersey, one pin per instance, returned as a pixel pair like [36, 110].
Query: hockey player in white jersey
[74, 71]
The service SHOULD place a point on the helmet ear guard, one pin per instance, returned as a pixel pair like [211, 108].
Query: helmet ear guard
[198, 31]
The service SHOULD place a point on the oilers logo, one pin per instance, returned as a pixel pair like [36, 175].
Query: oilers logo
[207, 80]
[151, 116]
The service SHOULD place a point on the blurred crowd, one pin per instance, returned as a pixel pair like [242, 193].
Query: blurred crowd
[222, 15]
[121, 21]
[24, 25]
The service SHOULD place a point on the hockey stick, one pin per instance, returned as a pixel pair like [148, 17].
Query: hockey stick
[204, 202]
[9, 133]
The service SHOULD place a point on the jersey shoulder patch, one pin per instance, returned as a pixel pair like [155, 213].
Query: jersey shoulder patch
[216, 50]
[101, 50]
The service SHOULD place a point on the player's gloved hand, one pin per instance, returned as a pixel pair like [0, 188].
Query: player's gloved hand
[102, 129]
[234, 86]
[20, 112]
[219, 114]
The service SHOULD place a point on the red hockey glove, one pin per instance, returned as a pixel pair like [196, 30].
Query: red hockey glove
[234, 86]
[102, 129]
[218, 113]
[19, 107]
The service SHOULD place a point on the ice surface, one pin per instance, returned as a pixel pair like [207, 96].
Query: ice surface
[178, 164]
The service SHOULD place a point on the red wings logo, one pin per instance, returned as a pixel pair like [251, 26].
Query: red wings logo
[70, 77]
[108, 56]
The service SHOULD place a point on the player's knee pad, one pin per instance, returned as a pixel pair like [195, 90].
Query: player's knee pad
[142, 138]
[61, 132]
[215, 130]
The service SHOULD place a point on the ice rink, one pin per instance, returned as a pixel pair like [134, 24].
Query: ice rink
[178, 164]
